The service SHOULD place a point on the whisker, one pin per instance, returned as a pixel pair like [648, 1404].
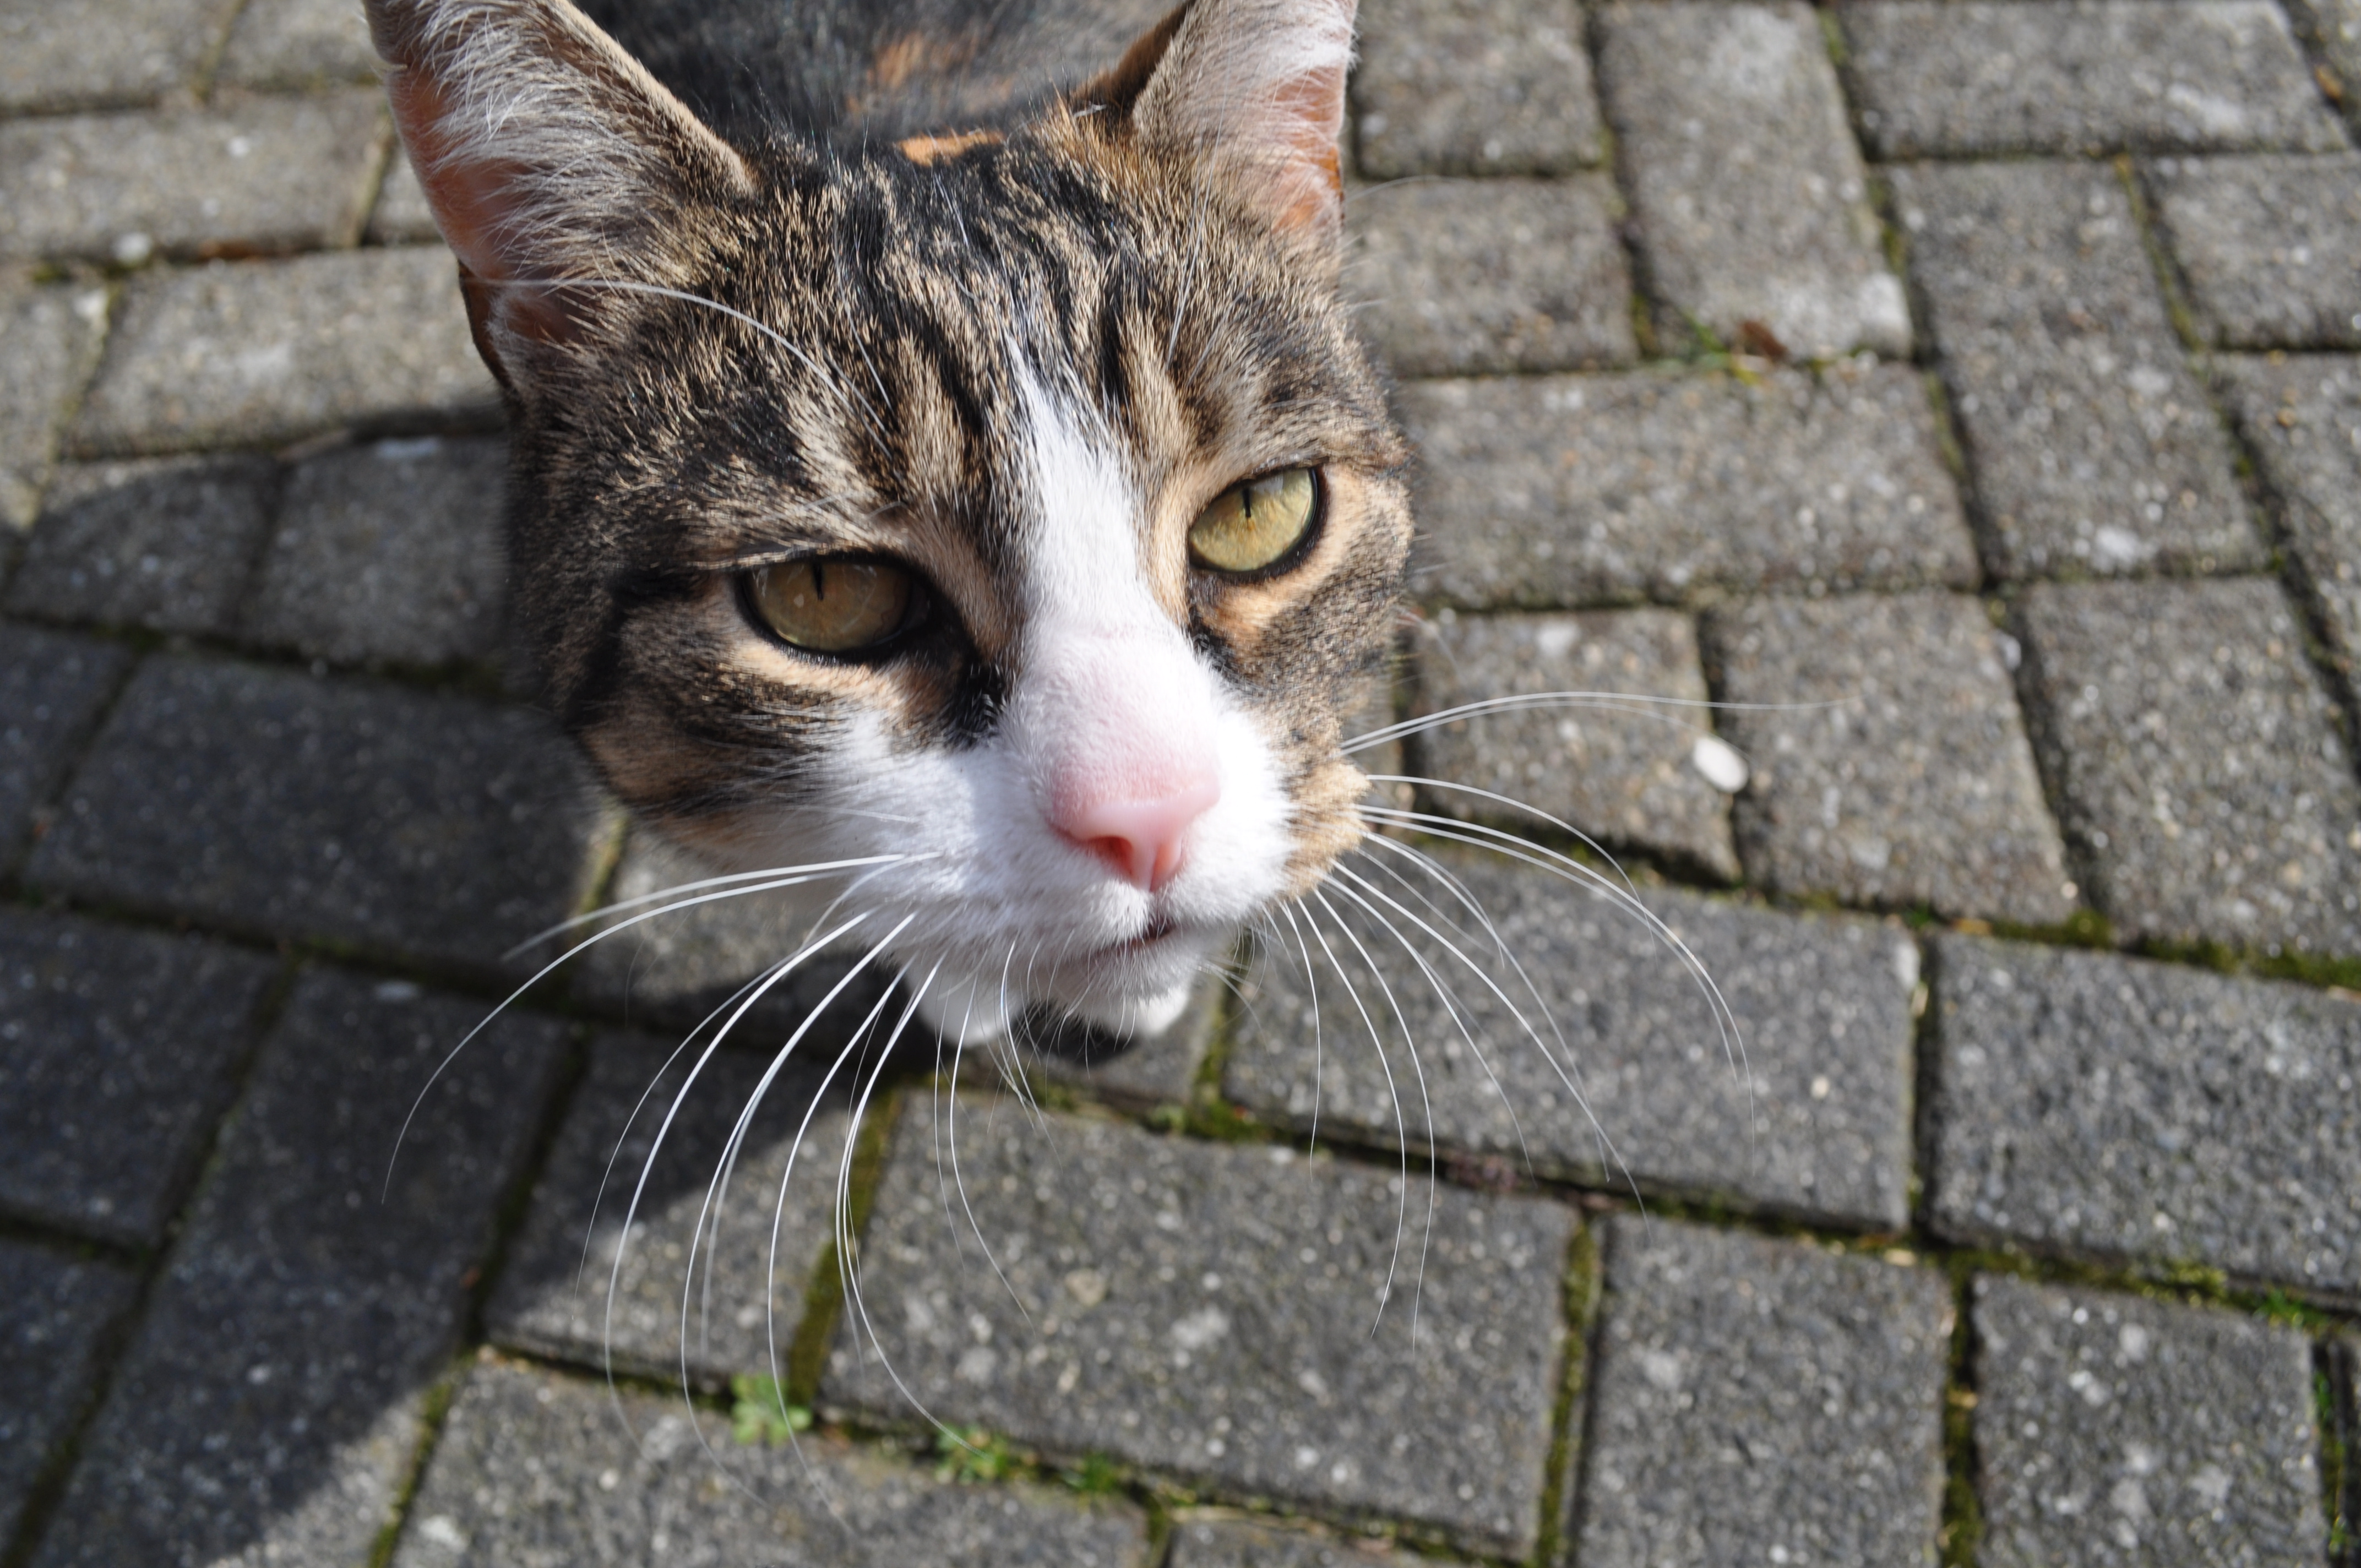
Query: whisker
[1443, 994]
[1565, 866]
[1640, 706]
[812, 872]
[1401, 1131]
[539, 975]
[1319, 1048]
[1568, 828]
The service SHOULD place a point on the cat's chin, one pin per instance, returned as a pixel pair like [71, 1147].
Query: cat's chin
[1134, 1005]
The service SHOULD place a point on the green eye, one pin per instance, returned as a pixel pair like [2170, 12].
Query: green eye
[835, 605]
[1252, 526]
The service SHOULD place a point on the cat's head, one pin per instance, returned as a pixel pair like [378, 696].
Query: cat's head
[1017, 501]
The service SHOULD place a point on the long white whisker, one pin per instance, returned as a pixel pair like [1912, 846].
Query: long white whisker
[539, 975]
[735, 879]
[1509, 846]
[1319, 1048]
[1564, 826]
[1641, 706]
[1442, 993]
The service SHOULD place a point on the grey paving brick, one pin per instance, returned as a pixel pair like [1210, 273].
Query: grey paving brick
[54, 1312]
[51, 687]
[1908, 779]
[2302, 420]
[272, 1401]
[401, 215]
[1221, 1322]
[1763, 1401]
[1219, 1542]
[388, 553]
[1474, 87]
[2267, 247]
[1813, 1121]
[285, 804]
[1623, 772]
[104, 52]
[167, 544]
[50, 339]
[122, 1050]
[2093, 1104]
[299, 43]
[2113, 1430]
[1548, 492]
[255, 174]
[1468, 276]
[1939, 79]
[674, 969]
[1750, 198]
[2198, 762]
[2094, 450]
[535, 1471]
[553, 1297]
[265, 352]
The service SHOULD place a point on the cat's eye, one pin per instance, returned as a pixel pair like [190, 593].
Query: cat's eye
[1253, 526]
[835, 604]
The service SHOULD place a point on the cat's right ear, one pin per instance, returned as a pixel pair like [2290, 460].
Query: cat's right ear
[547, 154]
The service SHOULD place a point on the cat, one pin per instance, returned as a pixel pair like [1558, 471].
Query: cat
[945, 468]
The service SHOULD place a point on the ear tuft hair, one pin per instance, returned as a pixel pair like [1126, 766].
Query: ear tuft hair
[1252, 91]
[544, 150]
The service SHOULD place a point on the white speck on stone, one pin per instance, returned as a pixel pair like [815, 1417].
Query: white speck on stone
[1662, 1368]
[1087, 1285]
[1557, 638]
[1905, 965]
[2133, 1341]
[1305, 1458]
[1719, 764]
[1200, 1328]
[2211, 1485]
[443, 1530]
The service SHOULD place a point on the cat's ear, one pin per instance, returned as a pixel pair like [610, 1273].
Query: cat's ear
[546, 152]
[1254, 90]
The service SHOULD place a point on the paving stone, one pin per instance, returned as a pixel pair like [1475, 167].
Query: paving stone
[278, 803]
[2197, 762]
[253, 175]
[299, 43]
[1468, 275]
[1221, 1324]
[1542, 493]
[54, 1312]
[1908, 779]
[402, 216]
[535, 1471]
[2099, 1105]
[388, 553]
[2266, 246]
[1750, 200]
[1622, 772]
[51, 687]
[1812, 1121]
[553, 1296]
[2094, 450]
[1953, 78]
[2302, 420]
[1218, 1542]
[99, 53]
[2113, 1430]
[50, 340]
[271, 1405]
[1474, 87]
[1759, 1399]
[167, 543]
[265, 352]
[122, 1050]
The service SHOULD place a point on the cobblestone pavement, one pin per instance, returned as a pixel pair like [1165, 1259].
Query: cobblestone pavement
[1966, 393]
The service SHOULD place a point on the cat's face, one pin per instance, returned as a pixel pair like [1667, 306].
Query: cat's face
[1017, 509]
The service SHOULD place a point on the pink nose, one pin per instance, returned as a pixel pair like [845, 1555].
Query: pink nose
[1145, 840]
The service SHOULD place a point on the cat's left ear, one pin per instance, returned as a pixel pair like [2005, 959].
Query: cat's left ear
[1252, 91]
